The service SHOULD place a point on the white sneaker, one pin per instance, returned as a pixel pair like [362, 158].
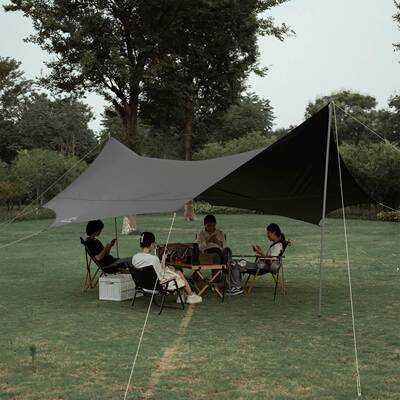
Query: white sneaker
[193, 299]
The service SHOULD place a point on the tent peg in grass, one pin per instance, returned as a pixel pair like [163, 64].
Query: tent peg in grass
[32, 350]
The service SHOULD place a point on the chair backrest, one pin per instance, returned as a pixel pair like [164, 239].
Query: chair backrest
[93, 258]
[145, 278]
[184, 252]
[285, 244]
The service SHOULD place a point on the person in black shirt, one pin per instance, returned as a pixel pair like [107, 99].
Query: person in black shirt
[107, 262]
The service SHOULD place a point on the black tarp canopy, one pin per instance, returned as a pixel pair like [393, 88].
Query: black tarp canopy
[286, 178]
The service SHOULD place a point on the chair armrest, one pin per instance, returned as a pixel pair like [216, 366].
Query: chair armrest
[162, 281]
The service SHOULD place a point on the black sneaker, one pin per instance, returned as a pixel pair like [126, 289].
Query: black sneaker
[234, 291]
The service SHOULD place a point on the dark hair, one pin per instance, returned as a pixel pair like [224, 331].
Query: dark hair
[274, 228]
[209, 219]
[146, 239]
[94, 226]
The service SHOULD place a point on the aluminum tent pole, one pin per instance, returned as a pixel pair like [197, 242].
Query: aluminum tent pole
[321, 257]
[116, 235]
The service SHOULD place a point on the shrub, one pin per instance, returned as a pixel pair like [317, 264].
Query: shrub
[37, 170]
[393, 216]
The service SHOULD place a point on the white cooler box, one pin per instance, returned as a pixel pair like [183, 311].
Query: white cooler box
[116, 287]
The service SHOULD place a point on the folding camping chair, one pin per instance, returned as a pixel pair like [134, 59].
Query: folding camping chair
[91, 279]
[146, 282]
[278, 276]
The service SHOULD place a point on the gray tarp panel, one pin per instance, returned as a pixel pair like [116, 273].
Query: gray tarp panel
[120, 182]
[286, 178]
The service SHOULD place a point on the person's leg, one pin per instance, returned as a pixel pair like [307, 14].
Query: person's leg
[121, 264]
[187, 289]
[235, 278]
[226, 255]
[217, 257]
[216, 253]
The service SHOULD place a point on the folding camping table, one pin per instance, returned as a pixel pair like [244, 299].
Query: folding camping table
[198, 272]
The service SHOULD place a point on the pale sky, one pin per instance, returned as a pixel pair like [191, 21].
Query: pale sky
[341, 44]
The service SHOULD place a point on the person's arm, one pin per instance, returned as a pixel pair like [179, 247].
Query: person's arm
[106, 250]
[159, 267]
[201, 240]
[222, 239]
[258, 251]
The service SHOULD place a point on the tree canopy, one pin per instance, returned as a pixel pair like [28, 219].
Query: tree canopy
[122, 49]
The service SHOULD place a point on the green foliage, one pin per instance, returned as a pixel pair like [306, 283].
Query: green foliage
[388, 120]
[251, 141]
[377, 168]
[59, 124]
[396, 18]
[211, 50]
[55, 124]
[36, 170]
[202, 207]
[14, 92]
[14, 89]
[360, 106]
[250, 114]
[393, 216]
[107, 47]
[11, 191]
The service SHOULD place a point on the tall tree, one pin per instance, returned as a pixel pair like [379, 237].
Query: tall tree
[14, 91]
[211, 51]
[360, 106]
[56, 124]
[249, 114]
[104, 46]
[388, 120]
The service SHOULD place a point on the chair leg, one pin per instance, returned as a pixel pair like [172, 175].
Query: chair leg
[181, 300]
[276, 278]
[247, 281]
[283, 282]
[224, 288]
[276, 287]
[134, 298]
[162, 303]
[87, 283]
[253, 281]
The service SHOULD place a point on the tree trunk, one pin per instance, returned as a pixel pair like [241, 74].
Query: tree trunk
[130, 123]
[188, 211]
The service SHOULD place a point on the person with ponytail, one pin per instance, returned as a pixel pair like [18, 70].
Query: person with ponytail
[275, 235]
[144, 258]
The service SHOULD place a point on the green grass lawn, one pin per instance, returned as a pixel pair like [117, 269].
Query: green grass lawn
[246, 348]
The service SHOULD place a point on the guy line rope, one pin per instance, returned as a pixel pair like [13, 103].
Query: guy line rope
[147, 314]
[348, 259]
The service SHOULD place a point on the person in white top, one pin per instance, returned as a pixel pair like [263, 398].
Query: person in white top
[275, 235]
[164, 273]
[278, 240]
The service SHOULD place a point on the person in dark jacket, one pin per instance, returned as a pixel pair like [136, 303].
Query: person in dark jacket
[101, 253]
